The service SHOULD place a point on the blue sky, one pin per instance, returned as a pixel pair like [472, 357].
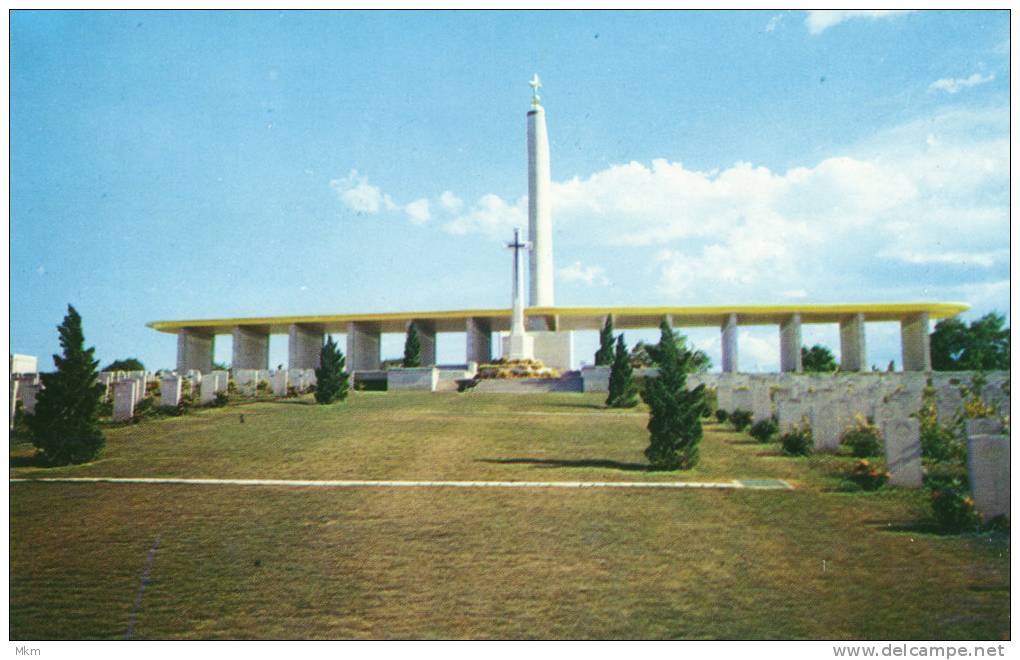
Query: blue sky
[171, 165]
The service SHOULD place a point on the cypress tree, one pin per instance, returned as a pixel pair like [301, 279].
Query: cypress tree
[65, 426]
[604, 356]
[330, 379]
[412, 348]
[674, 412]
[622, 390]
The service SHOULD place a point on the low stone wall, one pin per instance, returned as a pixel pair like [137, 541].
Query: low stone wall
[420, 378]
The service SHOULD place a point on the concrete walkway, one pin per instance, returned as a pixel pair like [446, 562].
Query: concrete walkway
[755, 484]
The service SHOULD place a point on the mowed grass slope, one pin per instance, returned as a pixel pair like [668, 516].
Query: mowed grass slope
[237, 562]
[413, 436]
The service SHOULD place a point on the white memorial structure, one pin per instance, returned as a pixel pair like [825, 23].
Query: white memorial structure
[543, 330]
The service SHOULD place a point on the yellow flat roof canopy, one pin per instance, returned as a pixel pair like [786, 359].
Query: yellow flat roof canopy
[576, 318]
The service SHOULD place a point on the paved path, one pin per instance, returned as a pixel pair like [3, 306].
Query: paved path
[760, 484]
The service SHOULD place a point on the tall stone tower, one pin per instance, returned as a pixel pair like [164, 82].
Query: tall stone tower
[540, 260]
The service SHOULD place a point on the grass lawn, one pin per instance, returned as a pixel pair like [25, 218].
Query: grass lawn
[242, 562]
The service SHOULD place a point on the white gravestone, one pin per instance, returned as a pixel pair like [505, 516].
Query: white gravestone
[988, 471]
[902, 439]
[826, 425]
[28, 396]
[124, 399]
[742, 399]
[221, 380]
[791, 413]
[14, 399]
[208, 389]
[949, 403]
[724, 398]
[280, 383]
[761, 402]
[170, 389]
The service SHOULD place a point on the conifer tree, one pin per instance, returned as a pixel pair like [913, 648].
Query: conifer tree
[65, 426]
[412, 348]
[622, 389]
[674, 412]
[331, 381]
[604, 356]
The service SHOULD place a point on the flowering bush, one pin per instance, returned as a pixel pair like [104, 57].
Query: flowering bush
[867, 476]
[953, 507]
[940, 443]
[863, 438]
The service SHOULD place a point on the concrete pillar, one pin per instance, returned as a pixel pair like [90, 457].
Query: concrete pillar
[304, 347]
[363, 349]
[852, 346]
[789, 345]
[251, 348]
[729, 344]
[194, 351]
[915, 342]
[427, 339]
[479, 341]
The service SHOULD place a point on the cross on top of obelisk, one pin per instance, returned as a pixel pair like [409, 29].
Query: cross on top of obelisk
[517, 244]
[535, 84]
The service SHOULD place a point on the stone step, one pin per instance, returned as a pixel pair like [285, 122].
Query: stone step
[528, 385]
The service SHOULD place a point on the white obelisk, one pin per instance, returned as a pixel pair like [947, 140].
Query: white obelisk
[521, 344]
[539, 211]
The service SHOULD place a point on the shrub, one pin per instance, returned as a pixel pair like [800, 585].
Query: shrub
[940, 443]
[65, 426]
[953, 507]
[711, 403]
[622, 390]
[604, 356]
[220, 399]
[764, 430]
[867, 476]
[331, 379]
[412, 348]
[797, 441]
[863, 438]
[674, 422]
[740, 419]
[721, 415]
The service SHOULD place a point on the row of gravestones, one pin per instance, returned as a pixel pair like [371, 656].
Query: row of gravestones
[128, 393]
[831, 406]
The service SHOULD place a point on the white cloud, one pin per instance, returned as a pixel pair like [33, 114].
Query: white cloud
[590, 275]
[418, 211]
[491, 216]
[982, 259]
[359, 195]
[774, 23]
[954, 85]
[451, 202]
[818, 21]
[938, 184]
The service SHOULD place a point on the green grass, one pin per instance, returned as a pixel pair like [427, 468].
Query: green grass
[237, 562]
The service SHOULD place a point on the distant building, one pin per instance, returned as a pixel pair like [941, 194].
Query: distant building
[24, 364]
